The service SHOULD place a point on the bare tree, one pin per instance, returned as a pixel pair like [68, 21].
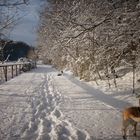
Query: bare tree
[8, 18]
[9, 14]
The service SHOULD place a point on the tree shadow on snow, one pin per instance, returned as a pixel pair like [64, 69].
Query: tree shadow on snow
[99, 95]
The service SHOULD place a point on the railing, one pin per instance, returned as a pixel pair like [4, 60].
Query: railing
[9, 70]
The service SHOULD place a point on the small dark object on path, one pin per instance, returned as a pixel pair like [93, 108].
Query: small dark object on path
[60, 74]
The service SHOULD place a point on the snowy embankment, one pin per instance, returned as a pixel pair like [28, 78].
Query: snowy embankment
[39, 105]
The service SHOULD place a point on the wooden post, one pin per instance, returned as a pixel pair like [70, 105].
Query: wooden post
[19, 68]
[16, 71]
[5, 72]
[12, 71]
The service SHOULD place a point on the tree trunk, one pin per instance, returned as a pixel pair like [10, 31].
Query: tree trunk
[133, 79]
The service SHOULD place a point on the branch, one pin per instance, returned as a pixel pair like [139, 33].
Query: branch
[90, 28]
[67, 50]
[127, 63]
[13, 4]
[10, 21]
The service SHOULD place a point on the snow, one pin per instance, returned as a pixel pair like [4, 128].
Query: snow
[39, 105]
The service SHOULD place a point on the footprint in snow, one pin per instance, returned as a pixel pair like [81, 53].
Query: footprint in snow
[81, 135]
[44, 137]
[62, 132]
[57, 113]
[47, 125]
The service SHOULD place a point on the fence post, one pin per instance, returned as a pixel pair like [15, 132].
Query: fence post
[12, 71]
[19, 68]
[15, 68]
[5, 72]
[16, 71]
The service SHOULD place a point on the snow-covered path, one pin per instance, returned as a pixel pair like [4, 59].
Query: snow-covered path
[29, 109]
[39, 105]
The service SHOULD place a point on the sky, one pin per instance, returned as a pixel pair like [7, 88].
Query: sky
[26, 28]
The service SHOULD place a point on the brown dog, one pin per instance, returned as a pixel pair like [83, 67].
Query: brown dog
[131, 116]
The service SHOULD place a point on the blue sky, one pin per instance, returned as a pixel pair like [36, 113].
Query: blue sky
[26, 28]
